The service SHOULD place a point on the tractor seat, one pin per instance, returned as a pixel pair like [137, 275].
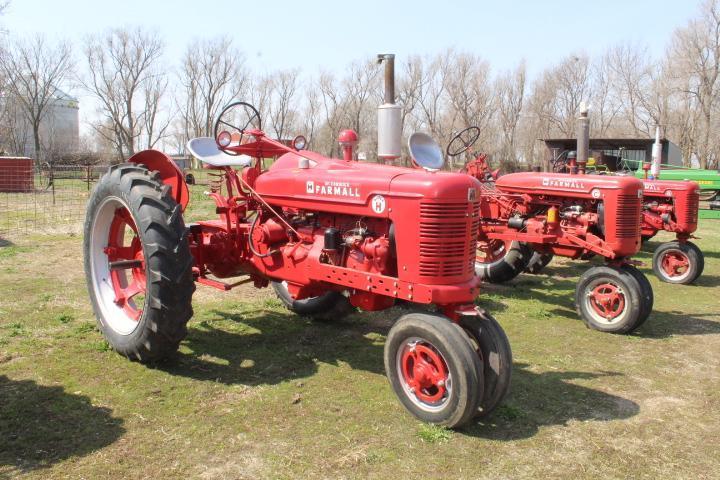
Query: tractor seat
[206, 150]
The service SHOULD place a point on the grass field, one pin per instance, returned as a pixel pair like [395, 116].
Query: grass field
[256, 392]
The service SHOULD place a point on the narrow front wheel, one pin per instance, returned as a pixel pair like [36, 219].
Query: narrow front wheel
[679, 263]
[610, 299]
[434, 369]
[493, 348]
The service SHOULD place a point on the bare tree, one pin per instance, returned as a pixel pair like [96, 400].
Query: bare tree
[331, 103]
[697, 50]
[126, 78]
[34, 70]
[311, 113]
[212, 74]
[282, 114]
[510, 91]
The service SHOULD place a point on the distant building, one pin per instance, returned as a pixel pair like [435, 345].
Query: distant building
[59, 129]
[634, 151]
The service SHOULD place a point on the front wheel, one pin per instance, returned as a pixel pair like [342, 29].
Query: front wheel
[138, 265]
[434, 369]
[498, 261]
[330, 306]
[611, 299]
[493, 348]
[679, 263]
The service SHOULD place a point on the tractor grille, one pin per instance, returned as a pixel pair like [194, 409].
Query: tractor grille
[448, 239]
[690, 215]
[627, 221]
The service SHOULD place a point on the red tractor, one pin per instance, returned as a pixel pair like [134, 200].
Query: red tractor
[668, 205]
[569, 215]
[673, 206]
[329, 235]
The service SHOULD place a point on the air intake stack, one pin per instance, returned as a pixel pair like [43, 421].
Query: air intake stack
[389, 115]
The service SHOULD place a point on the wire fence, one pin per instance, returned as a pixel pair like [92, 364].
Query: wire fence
[53, 198]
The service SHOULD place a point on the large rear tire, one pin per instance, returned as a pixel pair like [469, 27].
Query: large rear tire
[434, 369]
[538, 262]
[329, 307]
[138, 265]
[610, 299]
[499, 261]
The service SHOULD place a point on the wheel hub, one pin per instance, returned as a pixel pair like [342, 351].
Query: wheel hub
[490, 251]
[425, 372]
[675, 263]
[608, 300]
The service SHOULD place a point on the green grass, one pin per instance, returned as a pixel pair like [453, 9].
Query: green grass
[256, 392]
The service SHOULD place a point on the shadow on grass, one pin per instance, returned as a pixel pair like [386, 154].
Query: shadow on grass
[41, 425]
[674, 323]
[269, 347]
[5, 243]
[705, 280]
[550, 398]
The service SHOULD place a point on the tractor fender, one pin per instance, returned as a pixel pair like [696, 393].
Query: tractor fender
[170, 173]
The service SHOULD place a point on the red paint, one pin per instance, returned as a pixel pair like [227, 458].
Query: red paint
[671, 206]
[607, 300]
[16, 174]
[126, 287]
[348, 140]
[425, 372]
[675, 263]
[169, 172]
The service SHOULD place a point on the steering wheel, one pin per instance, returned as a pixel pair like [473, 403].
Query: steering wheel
[237, 117]
[462, 141]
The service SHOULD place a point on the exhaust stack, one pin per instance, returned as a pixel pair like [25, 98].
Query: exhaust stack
[389, 115]
[583, 140]
[656, 154]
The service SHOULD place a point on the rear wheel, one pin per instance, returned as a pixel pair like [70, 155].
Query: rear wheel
[676, 262]
[434, 369]
[493, 348]
[498, 261]
[138, 265]
[610, 299]
[538, 262]
[328, 307]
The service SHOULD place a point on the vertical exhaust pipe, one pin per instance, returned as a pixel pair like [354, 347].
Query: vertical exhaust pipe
[583, 139]
[389, 115]
[656, 154]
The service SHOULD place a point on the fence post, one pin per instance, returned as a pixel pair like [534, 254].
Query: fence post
[52, 178]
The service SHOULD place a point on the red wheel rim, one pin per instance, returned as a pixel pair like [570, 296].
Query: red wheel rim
[607, 300]
[675, 263]
[424, 372]
[491, 251]
[127, 263]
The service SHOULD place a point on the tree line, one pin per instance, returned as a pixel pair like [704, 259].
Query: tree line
[143, 102]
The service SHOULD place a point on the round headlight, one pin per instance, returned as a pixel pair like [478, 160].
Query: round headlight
[224, 138]
[299, 142]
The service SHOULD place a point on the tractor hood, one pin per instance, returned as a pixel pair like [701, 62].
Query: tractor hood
[340, 186]
[566, 185]
[667, 188]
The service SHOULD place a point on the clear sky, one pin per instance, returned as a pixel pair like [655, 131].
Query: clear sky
[313, 35]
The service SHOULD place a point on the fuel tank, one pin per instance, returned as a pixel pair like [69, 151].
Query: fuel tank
[434, 215]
